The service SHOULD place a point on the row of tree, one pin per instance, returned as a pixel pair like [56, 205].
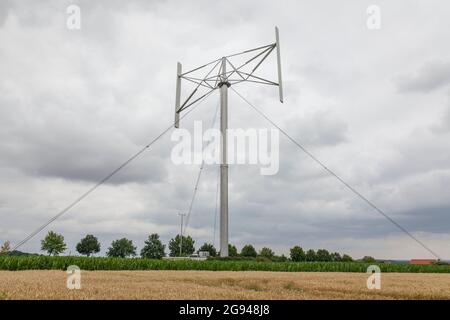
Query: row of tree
[298, 254]
[54, 244]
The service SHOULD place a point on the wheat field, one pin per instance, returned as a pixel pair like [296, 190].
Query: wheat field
[220, 285]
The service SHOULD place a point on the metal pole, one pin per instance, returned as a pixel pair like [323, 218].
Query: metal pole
[177, 96]
[181, 233]
[224, 84]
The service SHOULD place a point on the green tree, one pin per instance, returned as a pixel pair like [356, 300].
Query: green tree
[88, 245]
[335, 256]
[368, 259]
[248, 251]
[153, 248]
[323, 255]
[267, 253]
[6, 247]
[311, 255]
[53, 243]
[346, 258]
[121, 248]
[232, 251]
[187, 246]
[297, 254]
[210, 248]
[281, 258]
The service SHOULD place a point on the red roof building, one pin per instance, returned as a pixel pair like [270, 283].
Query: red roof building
[422, 261]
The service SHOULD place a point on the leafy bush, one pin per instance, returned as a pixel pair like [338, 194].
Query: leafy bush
[53, 243]
[232, 251]
[440, 263]
[88, 245]
[368, 259]
[20, 253]
[335, 256]
[311, 255]
[267, 253]
[323, 255]
[153, 248]
[121, 248]
[209, 248]
[281, 258]
[248, 251]
[297, 254]
[187, 246]
[346, 258]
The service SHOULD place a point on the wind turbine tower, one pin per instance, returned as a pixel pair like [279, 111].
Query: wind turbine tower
[221, 74]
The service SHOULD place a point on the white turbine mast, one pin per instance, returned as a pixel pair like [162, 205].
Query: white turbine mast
[221, 74]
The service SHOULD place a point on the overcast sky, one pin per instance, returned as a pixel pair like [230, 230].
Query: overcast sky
[373, 105]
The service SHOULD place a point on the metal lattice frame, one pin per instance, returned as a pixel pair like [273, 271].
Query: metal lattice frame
[215, 76]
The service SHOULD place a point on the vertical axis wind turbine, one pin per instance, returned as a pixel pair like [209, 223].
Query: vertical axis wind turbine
[221, 74]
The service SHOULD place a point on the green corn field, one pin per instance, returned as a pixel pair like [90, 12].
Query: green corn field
[14, 263]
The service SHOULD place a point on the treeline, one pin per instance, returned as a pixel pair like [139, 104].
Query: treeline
[153, 248]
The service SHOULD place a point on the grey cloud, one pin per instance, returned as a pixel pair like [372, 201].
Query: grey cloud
[74, 105]
[423, 219]
[421, 154]
[443, 125]
[66, 149]
[319, 129]
[4, 10]
[432, 75]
